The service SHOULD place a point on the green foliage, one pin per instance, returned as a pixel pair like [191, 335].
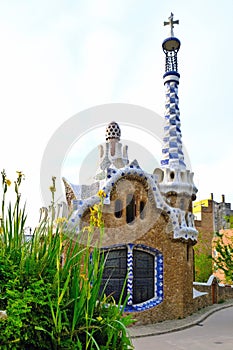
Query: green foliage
[52, 304]
[229, 220]
[202, 259]
[224, 257]
[203, 267]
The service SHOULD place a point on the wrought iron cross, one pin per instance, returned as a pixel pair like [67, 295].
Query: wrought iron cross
[171, 23]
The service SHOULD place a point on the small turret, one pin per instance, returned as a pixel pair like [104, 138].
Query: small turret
[111, 153]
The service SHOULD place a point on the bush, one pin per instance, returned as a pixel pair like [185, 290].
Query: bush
[223, 259]
[203, 259]
[203, 267]
[54, 304]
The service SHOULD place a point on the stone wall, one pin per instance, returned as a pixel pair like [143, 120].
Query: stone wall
[205, 227]
[214, 293]
[154, 230]
[177, 275]
[209, 293]
[225, 292]
[171, 308]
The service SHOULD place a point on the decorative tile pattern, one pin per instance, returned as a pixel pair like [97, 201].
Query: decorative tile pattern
[158, 277]
[186, 230]
[172, 153]
[176, 178]
[113, 131]
[130, 274]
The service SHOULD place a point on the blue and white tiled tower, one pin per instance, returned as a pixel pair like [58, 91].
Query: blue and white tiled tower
[176, 178]
[172, 147]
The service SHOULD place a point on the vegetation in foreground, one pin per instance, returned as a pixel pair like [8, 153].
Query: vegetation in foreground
[49, 286]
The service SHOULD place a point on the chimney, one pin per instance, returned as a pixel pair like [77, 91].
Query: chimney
[212, 196]
[223, 198]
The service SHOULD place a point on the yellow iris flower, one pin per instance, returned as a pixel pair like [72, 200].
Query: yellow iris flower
[102, 194]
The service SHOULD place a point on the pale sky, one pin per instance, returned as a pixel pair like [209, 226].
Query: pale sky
[59, 58]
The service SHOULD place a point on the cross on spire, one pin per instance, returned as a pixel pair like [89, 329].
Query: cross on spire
[171, 23]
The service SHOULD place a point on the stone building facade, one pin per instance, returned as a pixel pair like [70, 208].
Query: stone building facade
[149, 224]
[211, 217]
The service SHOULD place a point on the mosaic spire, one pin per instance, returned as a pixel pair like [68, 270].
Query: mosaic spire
[172, 153]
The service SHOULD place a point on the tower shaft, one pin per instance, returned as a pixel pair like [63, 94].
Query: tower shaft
[172, 153]
[176, 182]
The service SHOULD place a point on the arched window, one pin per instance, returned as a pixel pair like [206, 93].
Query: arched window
[142, 210]
[137, 267]
[130, 208]
[118, 208]
[182, 203]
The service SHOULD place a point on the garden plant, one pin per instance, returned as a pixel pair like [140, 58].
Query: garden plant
[50, 287]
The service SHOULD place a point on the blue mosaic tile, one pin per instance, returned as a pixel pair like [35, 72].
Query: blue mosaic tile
[172, 132]
[158, 297]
